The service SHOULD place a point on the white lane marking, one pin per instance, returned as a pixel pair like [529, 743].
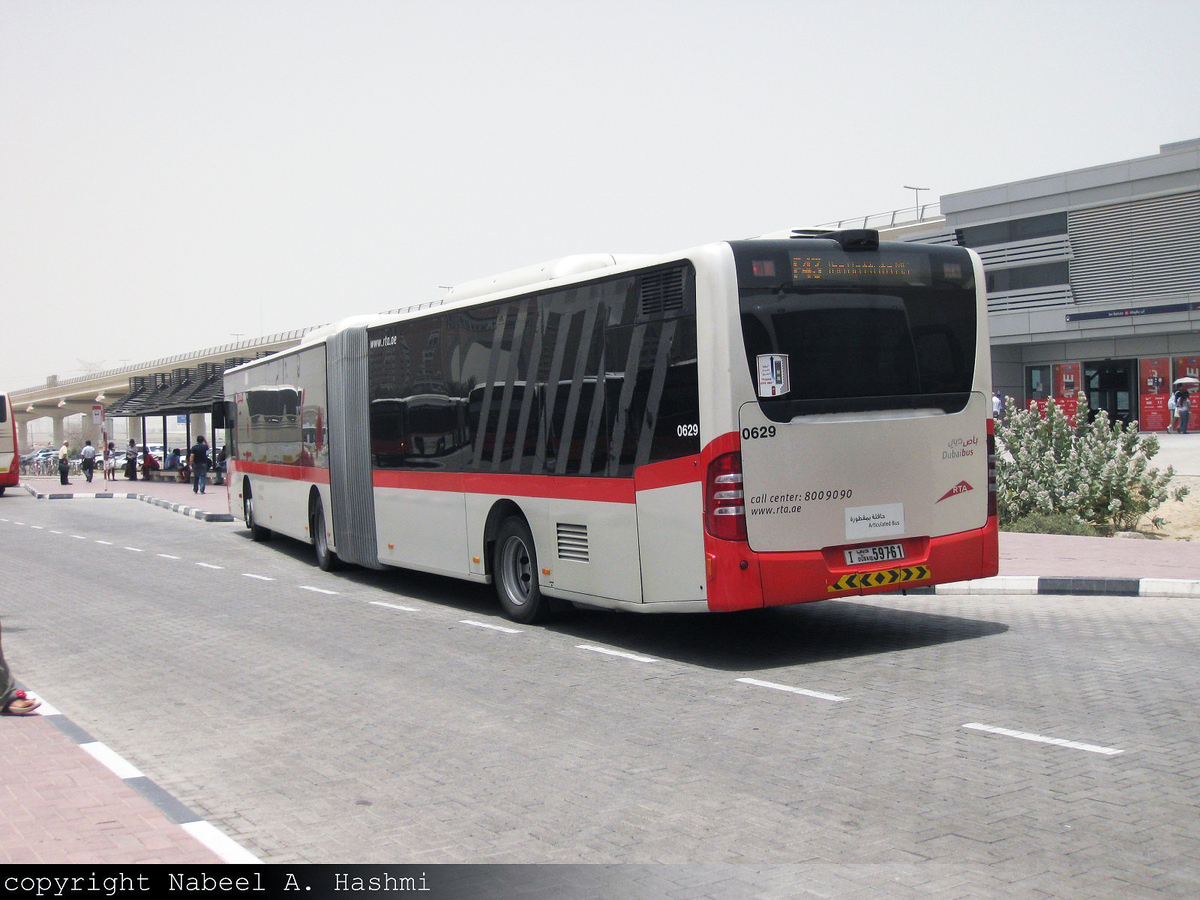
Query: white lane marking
[209, 566]
[1041, 739]
[52, 531]
[393, 606]
[136, 549]
[619, 653]
[3, 520]
[36, 527]
[106, 543]
[111, 760]
[167, 556]
[219, 843]
[792, 690]
[259, 577]
[22, 523]
[492, 627]
[307, 587]
[79, 537]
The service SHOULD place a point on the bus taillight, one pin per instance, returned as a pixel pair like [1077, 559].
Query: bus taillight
[724, 501]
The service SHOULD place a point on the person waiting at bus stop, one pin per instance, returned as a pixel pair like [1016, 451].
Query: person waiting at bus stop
[149, 464]
[1183, 408]
[64, 461]
[131, 455]
[198, 457]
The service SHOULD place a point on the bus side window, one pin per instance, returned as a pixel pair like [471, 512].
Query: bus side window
[653, 395]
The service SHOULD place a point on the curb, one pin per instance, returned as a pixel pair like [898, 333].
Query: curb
[202, 515]
[203, 831]
[1077, 586]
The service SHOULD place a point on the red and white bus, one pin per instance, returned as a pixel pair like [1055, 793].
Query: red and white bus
[10, 467]
[744, 424]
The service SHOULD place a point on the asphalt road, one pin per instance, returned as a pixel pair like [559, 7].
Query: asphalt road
[945, 745]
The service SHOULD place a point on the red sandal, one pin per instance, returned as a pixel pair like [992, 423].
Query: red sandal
[20, 704]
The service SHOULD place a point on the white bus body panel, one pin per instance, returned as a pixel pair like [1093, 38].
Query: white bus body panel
[425, 530]
[834, 477]
[281, 504]
[611, 570]
[670, 525]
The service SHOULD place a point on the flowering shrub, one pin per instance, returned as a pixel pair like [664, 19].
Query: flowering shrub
[1098, 472]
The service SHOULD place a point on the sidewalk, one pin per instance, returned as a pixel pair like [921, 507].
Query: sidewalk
[67, 798]
[211, 506]
[64, 798]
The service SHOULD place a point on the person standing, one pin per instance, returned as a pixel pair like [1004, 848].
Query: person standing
[110, 462]
[64, 464]
[131, 460]
[89, 460]
[1183, 406]
[198, 457]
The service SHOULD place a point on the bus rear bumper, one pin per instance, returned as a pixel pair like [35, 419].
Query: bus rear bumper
[739, 578]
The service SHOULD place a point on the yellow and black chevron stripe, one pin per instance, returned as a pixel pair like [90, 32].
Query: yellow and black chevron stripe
[858, 580]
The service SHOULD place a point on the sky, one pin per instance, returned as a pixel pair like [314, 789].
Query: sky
[178, 175]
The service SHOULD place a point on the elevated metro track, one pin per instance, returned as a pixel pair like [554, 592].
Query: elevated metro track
[112, 389]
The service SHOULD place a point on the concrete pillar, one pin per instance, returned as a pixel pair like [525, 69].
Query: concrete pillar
[199, 426]
[91, 430]
[58, 430]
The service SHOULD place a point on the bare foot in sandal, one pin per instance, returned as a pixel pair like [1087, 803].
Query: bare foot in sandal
[21, 704]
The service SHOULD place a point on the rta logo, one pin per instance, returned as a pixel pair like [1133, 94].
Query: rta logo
[961, 488]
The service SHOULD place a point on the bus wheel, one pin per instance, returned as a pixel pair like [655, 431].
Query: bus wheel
[514, 567]
[326, 558]
[257, 532]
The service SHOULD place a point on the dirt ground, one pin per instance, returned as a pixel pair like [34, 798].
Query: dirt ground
[1183, 518]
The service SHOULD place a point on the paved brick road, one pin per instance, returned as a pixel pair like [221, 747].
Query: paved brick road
[319, 726]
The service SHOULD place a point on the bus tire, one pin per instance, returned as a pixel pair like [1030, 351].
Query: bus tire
[515, 573]
[327, 560]
[257, 532]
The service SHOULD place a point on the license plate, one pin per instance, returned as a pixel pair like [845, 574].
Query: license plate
[861, 556]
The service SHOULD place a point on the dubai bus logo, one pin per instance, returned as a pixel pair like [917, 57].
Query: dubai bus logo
[961, 488]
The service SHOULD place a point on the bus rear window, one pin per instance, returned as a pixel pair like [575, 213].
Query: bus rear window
[828, 331]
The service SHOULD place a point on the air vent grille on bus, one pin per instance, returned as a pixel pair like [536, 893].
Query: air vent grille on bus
[662, 292]
[573, 542]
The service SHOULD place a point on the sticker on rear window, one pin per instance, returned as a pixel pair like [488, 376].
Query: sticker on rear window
[773, 377]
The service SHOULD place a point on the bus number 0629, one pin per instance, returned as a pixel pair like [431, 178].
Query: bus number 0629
[688, 431]
[752, 434]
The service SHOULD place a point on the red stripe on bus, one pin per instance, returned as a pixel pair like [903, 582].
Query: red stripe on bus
[278, 470]
[685, 470]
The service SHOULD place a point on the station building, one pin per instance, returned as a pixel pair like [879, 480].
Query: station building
[1093, 279]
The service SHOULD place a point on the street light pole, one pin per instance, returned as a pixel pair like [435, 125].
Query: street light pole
[916, 196]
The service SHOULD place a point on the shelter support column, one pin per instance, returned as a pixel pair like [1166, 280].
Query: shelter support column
[198, 425]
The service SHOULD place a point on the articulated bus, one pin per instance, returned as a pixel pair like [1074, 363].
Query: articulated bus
[745, 424]
[10, 466]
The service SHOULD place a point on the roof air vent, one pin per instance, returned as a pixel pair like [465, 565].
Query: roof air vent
[661, 293]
